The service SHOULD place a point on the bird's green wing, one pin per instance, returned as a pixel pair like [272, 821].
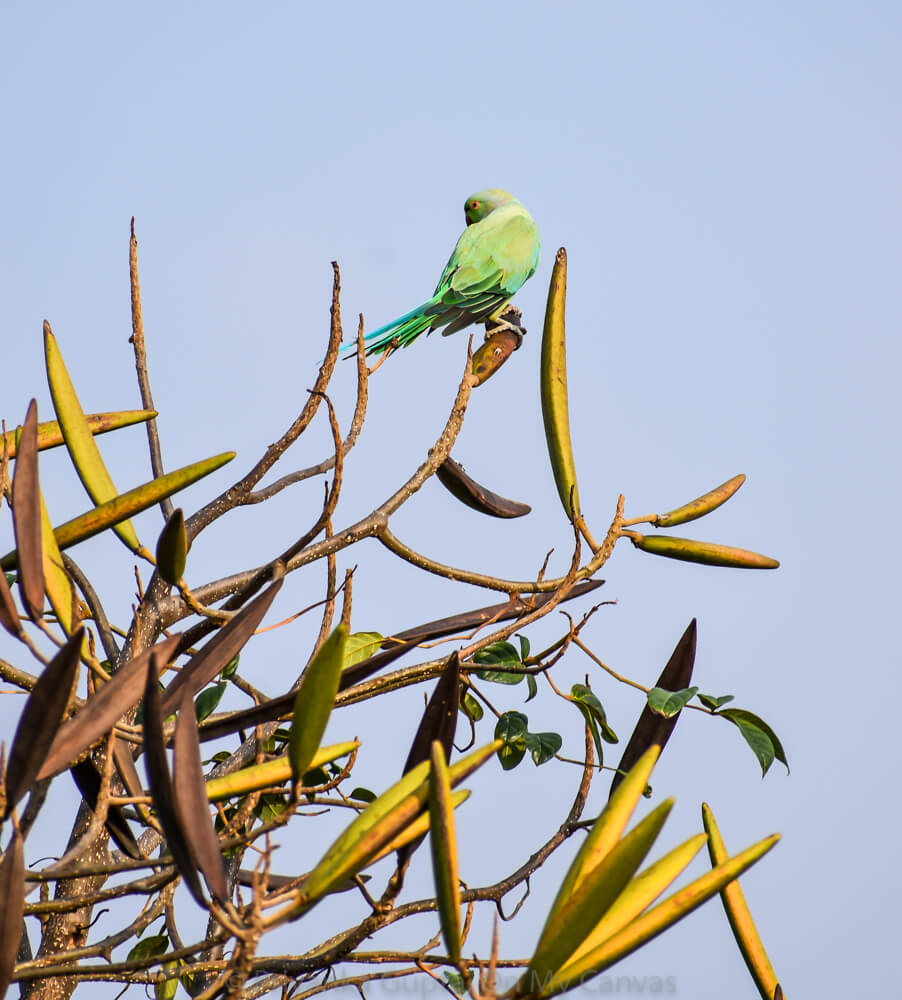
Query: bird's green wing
[491, 261]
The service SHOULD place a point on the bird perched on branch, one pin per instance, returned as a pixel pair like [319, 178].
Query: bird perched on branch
[495, 255]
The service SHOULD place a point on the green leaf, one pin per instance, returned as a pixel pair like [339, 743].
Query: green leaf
[149, 947]
[709, 701]
[512, 728]
[314, 700]
[206, 702]
[524, 646]
[363, 795]
[167, 989]
[315, 776]
[543, 746]
[231, 667]
[593, 712]
[499, 654]
[668, 703]
[360, 646]
[760, 737]
[270, 807]
[532, 686]
[456, 981]
[584, 696]
[471, 707]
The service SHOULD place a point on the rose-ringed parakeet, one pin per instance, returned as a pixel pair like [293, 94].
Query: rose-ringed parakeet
[495, 255]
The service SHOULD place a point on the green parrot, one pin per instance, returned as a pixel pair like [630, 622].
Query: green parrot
[495, 255]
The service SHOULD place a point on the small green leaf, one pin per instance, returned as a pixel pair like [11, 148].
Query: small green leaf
[709, 701]
[149, 947]
[668, 703]
[512, 728]
[593, 712]
[167, 989]
[363, 795]
[499, 654]
[532, 686]
[543, 746]
[315, 776]
[270, 807]
[360, 646]
[584, 696]
[456, 981]
[760, 737]
[524, 646]
[207, 701]
[471, 707]
[231, 667]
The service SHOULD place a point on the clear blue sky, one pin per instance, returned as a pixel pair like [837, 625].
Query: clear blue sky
[725, 178]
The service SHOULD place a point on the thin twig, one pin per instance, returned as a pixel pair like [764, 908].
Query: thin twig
[137, 341]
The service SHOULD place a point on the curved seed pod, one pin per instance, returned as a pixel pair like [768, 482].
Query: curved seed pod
[492, 354]
[88, 781]
[651, 727]
[378, 824]
[27, 517]
[9, 614]
[605, 833]
[220, 650]
[656, 920]
[50, 435]
[417, 829]
[439, 721]
[593, 896]
[313, 702]
[172, 548]
[104, 708]
[12, 912]
[444, 851]
[738, 915]
[709, 553]
[78, 437]
[703, 505]
[640, 893]
[452, 476]
[553, 386]
[191, 802]
[270, 772]
[132, 502]
[161, 784]
[57, 584]
[40, 720]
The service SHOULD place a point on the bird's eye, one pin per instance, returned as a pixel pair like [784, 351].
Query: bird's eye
[474, 205]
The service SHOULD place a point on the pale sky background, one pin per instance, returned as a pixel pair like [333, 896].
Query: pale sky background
[725, 178]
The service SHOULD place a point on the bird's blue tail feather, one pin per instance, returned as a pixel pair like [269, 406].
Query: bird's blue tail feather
[405, 328]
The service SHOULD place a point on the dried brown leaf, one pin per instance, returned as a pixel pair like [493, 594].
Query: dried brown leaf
[161, 784]
[40, 719]
[12, 910]
[191, 801]
[220, 650]
[27, 517]
[88, 780]
[9, 614]
[104, 709]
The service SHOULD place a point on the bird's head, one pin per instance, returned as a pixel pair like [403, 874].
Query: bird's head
[479, 205]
